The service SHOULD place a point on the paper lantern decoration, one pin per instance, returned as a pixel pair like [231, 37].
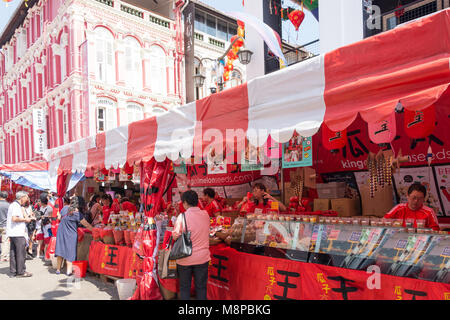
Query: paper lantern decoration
[241, 24]
[241, 32]
[232, 56]
[383, 131]
[296, 18]
[420, 123]
[239, 43]
[333, 140]
[6, 4]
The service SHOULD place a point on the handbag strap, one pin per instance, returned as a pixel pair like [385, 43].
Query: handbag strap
[185, 223]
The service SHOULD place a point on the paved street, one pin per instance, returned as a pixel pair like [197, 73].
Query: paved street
[46, 285]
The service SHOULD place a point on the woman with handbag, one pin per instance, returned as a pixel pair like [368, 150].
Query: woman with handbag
[196, 223]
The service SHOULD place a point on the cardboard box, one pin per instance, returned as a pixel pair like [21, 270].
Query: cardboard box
[346, 207]
[321, 204]
[380, 204]
[332, 190]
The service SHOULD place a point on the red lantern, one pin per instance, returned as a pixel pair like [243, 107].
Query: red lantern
[420, 123]
[383, 131]
[241, 24]
[296, 18]
[333, 140]
[232, 56]
[239, 43]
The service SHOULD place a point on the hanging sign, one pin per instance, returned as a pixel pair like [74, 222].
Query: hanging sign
[39, 131]
[332, 140]
[420, 123]
[297, 152]
[252, 158]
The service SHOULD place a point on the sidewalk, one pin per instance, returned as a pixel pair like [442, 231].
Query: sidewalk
[45, 284]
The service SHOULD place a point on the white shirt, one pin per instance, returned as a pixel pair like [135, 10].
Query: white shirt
[15, 229]
[47, 229]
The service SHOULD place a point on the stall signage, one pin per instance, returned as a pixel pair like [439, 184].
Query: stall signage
[39, 131]
[297, 152]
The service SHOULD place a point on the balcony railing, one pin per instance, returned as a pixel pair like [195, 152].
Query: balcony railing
[107, 2]
[159, 21]
[217, 43]
[294, 55]
[132, 11]
[408, 12]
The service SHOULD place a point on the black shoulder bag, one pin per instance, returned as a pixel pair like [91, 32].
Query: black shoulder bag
[182, 248]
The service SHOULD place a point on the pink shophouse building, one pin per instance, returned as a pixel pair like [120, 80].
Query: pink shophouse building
[72, 68]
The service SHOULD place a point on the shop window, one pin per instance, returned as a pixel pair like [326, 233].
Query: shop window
[200, 21]
[158, 71]
[133, 63]
[106, 114]
[105, 58]
[211, 25]
[135, 112]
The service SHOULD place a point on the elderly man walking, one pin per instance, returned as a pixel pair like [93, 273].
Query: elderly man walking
[16, 230]
[4, 205]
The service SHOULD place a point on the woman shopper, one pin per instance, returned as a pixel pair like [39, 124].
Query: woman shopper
[67, 236]
[197, 221]
[95, 210]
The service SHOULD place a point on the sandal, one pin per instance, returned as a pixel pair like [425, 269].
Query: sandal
[58, 272]
[25, 275]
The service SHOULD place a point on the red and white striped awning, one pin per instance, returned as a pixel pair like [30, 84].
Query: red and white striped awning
[410, 64]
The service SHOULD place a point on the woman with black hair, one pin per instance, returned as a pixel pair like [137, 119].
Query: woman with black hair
[67, 236]
[260, 202]
[107, 202]
[94, 215]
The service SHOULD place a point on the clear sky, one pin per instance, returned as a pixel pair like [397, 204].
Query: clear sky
[6, 12]
[309, 30]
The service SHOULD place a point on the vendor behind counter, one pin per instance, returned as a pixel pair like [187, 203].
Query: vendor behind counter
[415, 209]
[259, 202]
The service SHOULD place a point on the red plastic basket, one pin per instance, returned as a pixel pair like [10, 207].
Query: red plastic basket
[80, 268]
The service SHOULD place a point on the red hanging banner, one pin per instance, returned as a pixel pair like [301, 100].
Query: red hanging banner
[420, 123]
[332, 140]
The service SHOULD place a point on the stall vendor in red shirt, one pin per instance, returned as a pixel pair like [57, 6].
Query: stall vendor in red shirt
[213, 207]
[415, 209]
[116, 203]
[260, 202]
[107, 207]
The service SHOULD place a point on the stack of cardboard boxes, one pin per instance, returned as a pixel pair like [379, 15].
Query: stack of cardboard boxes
[332, 197]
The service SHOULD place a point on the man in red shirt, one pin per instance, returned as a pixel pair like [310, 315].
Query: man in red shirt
[415, 209]
[213, 207]
[127, 205]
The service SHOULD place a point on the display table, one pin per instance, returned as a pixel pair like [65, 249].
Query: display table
[242, 276]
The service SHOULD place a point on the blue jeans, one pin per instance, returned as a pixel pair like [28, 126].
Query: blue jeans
[200, 272]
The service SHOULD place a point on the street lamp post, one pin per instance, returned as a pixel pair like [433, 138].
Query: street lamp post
[244, 56]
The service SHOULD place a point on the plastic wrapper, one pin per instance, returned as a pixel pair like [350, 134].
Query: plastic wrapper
[127, 239]
[96, 234]
[118, 236]
[107, 235]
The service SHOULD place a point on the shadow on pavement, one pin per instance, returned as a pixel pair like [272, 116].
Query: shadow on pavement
[4, 270]
[55, 294]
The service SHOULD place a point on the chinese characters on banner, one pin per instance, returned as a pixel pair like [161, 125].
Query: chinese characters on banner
[242, 276]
